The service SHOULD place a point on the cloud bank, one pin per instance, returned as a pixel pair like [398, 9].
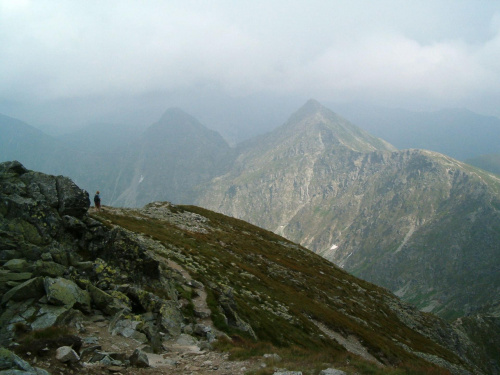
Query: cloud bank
[427, 55]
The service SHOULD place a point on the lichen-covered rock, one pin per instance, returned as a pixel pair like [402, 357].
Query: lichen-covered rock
[11, 363]
[65, 292]
[105, 302]
[229, 308]
[48, 315]
[171, 318]
[32, 288]
[139, 359]
[55, 261]
[132, 257]
[51, 269]
[17, 265]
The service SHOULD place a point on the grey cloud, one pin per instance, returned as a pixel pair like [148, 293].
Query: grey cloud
[440, 52]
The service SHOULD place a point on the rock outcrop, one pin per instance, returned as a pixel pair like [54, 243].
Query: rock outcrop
[59, 266]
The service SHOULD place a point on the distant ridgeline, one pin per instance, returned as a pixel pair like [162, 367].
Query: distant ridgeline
[417, 222]
[165, 273]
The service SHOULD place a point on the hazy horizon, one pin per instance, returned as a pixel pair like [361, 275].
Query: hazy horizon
[68, 64]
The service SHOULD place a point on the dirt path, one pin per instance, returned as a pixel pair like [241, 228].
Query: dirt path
[182, 355]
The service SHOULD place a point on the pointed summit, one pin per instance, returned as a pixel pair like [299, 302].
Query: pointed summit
[310, 108]
[176, 114]
[315, 120]
[312, 105]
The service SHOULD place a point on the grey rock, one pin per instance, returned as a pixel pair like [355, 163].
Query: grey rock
[9, 360]
[91, 340]
[287, 373]
[48, 268]
[10, 363]
[188, 329]
[171, 318]
[202, 330]
[12, 168]
[332, 371]
[125, 327]
[9, 254]
[67, 354]
[32, 288]
[228, 306]
[7, 276]
[273, 357]
[65, 292]
[139, 359]
[85, 352]
[73, 201]
[186, 340]
[18, 265]
[73, 224]
[104, 301]
[48, 316]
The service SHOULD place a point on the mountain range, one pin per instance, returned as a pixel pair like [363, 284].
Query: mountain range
[420, 223]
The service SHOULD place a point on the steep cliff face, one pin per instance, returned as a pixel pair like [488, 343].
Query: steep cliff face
[420, 223]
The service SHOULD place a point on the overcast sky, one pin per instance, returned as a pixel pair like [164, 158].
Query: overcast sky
[60, 60]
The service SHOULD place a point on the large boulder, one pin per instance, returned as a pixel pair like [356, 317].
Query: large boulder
[11, 363]
[66, 354]
[32, 288]
[66, 293]
[73, 201]
[105, 302]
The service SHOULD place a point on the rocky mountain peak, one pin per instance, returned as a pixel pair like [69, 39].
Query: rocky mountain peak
[174, 121]
[315, 120]
[176, 114]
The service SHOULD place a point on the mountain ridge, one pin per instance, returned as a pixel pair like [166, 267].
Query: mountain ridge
[361, 208]
[317, 189]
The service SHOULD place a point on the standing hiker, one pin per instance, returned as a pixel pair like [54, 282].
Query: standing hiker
[97, 201]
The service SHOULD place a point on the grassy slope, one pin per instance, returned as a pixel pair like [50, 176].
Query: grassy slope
[279, 287]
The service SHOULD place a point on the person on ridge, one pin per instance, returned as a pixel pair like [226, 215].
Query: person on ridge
[97, 201]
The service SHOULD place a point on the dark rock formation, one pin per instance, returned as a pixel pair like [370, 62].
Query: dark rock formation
[57, 261]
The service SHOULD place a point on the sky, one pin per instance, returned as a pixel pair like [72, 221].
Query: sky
[71, 62]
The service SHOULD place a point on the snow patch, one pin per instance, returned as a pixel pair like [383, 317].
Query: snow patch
[334, 247]
[405, 240]
[141, 179]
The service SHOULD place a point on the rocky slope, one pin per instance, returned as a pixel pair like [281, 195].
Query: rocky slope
[417, 222]
[165, 277]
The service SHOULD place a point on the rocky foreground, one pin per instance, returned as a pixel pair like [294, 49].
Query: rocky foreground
[174, 290]
[86, 323]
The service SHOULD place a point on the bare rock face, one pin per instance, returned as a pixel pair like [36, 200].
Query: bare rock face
[56, 262]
